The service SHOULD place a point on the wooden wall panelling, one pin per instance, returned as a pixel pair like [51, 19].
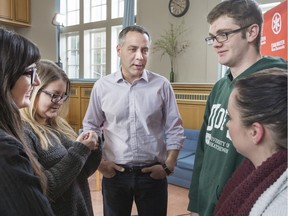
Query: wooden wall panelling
[191, 100]
[192, 115]
[85, 96]
[74, 108]
[79, 99]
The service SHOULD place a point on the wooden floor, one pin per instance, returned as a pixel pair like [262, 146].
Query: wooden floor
[177, 200]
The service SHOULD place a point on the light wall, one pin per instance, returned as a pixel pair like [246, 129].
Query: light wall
[42, 32]
[197, 65]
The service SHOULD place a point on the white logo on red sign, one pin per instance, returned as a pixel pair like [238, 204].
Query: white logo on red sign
[276, 23]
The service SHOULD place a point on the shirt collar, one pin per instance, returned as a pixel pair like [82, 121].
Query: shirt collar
[119, 76]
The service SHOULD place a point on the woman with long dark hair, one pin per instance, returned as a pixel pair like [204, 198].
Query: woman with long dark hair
[22, 183]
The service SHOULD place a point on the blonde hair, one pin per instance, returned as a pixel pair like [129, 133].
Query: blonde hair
[49, 72]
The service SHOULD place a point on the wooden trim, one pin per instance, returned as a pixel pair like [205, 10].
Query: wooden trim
[191, 99]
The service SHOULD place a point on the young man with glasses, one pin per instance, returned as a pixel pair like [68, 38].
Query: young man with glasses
[235, 35]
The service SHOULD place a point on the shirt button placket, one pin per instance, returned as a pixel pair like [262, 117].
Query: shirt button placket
[132, 121]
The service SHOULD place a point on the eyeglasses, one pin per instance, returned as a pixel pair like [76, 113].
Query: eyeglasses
[31, 71]
[223, 36]
[56, 98]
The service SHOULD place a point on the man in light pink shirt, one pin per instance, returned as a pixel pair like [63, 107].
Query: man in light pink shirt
[142, 127]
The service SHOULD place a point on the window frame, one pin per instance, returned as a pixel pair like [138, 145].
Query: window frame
[108, 24]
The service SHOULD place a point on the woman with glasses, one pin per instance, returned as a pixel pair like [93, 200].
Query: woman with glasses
[21, 177]
[67, 160]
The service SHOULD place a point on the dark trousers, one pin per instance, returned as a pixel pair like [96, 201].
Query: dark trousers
[150, 195]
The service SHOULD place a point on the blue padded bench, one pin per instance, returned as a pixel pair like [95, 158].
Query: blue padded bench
[185, 162]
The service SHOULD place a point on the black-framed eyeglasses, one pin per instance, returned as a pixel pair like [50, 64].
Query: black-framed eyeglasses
[56, 98]
[31, 71]
[223, 36]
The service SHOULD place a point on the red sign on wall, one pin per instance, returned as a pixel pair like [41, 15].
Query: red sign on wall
[274, 36]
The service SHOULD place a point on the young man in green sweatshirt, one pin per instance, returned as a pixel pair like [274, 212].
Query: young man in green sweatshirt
[235, 35]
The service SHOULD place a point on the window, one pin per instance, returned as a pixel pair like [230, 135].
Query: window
[89, 37]
[95, 47]
[115, 62]
[71, 11]
[72, 51]
[95, 10]
[118, 8]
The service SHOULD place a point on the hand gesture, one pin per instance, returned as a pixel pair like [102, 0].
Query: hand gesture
[89, 139]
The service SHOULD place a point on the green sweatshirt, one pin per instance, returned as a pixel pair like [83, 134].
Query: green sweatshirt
[216, 158]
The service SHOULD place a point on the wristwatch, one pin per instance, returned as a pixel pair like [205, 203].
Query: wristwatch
[166, 169]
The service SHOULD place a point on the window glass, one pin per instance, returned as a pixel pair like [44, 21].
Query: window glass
[115, 61]
[70, 43]
[117, 8]
[95, 49]
[95, 10]
[88, 39]
[71, 10]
